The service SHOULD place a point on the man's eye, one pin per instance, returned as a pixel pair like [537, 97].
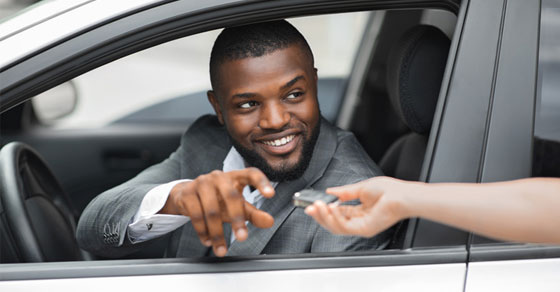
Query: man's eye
[248, 104]
[294, 95]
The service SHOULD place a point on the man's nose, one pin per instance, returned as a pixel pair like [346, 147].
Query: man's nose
[274, 116]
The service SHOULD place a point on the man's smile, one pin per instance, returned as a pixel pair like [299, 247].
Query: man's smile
[282, 144]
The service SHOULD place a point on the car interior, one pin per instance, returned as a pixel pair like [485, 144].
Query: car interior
[43, 172]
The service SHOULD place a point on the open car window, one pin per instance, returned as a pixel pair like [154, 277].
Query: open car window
[139, 114]
[168, 83]
[166, 86]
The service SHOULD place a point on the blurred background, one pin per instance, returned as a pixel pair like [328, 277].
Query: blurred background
[9, 7]
[180, 68]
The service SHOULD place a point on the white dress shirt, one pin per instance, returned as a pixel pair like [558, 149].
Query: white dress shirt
[147, 224]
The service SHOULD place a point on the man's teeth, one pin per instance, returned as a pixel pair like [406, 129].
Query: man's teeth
[280, 142]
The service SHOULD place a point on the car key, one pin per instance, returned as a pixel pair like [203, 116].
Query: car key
[306, 197]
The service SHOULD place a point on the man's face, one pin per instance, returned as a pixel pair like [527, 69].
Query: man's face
[269, 107]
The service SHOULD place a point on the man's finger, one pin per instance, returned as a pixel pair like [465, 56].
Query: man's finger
[234, 204]
[212, 214]
[257, 217]
[254, 177]
[194, 210]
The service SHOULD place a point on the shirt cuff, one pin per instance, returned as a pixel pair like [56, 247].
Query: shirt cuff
[146, 223]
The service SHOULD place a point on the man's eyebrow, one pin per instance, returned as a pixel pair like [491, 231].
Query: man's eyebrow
[292, 82]
[244, 95]
[252, 95]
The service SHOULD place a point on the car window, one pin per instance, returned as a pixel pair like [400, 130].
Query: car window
[168, 83]
[547, 117]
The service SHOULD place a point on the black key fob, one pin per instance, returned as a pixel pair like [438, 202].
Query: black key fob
[305, 198]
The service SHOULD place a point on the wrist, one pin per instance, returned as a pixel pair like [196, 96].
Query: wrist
[409, 198]
[170, 207]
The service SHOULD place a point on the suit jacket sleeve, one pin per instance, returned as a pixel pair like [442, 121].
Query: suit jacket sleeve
[103, 224]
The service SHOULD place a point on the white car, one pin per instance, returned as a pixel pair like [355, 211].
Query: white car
[102, 89]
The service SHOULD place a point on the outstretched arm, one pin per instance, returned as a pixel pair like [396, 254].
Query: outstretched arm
[524, 210]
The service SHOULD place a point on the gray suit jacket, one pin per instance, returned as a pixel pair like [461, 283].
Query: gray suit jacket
[337, 159]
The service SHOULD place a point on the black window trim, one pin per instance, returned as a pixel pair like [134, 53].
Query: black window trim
[119, 268]
[512, 251]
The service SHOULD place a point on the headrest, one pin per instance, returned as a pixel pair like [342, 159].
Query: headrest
[414, 74]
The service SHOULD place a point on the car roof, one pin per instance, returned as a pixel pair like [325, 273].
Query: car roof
[48, 22]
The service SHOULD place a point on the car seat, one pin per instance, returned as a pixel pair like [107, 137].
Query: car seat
[415, 71]
[414, 74]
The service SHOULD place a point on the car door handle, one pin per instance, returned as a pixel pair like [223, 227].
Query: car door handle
[127, 159]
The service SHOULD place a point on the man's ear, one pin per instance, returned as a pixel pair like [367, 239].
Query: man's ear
[315, 74]
[216, 105]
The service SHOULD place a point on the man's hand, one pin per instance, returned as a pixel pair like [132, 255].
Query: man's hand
[382, 206]
[217, 197]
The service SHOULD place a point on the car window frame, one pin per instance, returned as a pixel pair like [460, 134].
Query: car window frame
[170, 266]
[48, 74]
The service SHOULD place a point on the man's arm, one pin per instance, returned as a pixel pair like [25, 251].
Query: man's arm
[102, 227]
[522, 210]
[209, 201]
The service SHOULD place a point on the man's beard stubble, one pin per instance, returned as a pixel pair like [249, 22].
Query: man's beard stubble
[253, 159]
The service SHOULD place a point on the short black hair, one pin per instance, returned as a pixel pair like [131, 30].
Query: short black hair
[254, 40]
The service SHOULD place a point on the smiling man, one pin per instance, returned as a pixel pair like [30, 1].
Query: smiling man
[227, 189]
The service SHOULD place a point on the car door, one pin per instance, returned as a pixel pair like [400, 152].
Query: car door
[433, 256]
[522, 134]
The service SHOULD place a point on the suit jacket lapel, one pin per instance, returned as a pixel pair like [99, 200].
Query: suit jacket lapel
[280, 205]
[205, 147]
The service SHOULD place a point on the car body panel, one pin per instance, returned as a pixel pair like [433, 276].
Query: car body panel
[517, 275]
[33, 16]
[443, 277]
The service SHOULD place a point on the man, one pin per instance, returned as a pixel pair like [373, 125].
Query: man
[267, 128]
